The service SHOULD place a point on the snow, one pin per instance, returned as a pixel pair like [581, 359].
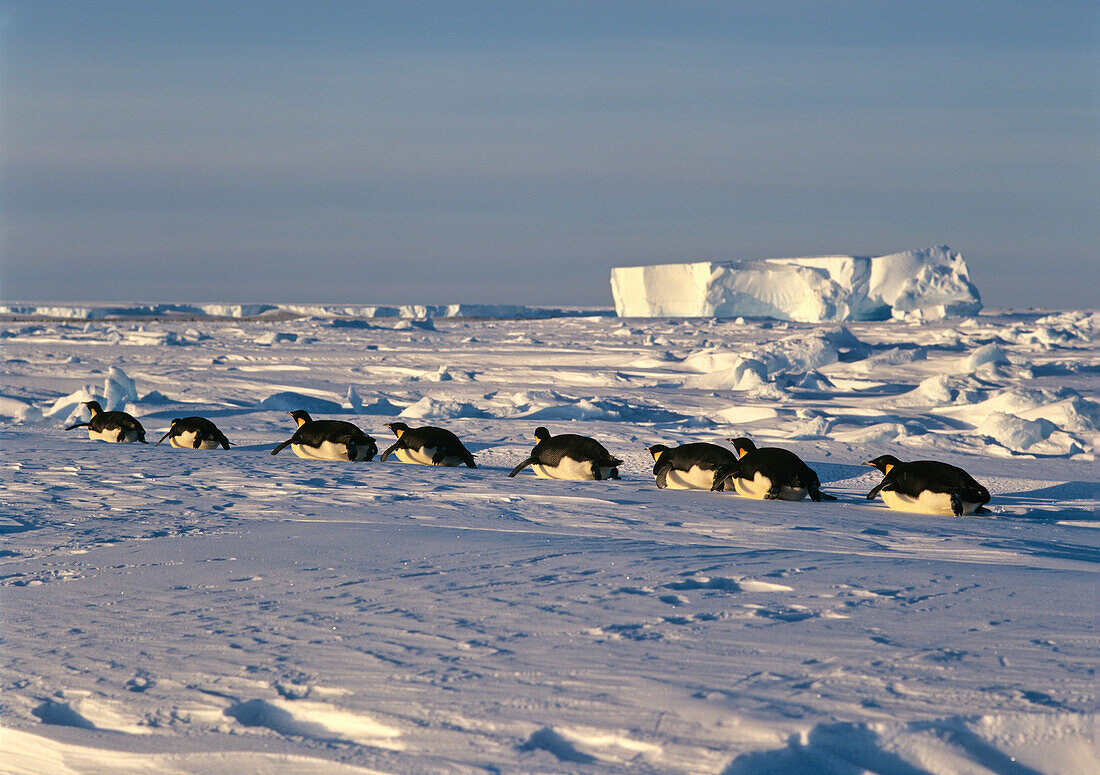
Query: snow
[928, 284]
[182, 611]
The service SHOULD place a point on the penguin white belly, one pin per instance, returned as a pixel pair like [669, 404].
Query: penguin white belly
[568, 468]
[186, 440]
[694, 479]
[759, 485]
[927, 502]
[423, 457]
[113, 435]
[327, 451]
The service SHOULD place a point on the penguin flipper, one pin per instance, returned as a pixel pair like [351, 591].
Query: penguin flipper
[982, 510]
[724, 473]
[282, 446]
[662, 475]
[522, 466]
[871, 495]
[77, 425]
[390, 450]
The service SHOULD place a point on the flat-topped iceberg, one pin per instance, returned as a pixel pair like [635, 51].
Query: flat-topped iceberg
[927, 284]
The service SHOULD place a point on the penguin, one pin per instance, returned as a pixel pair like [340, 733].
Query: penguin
[327, 440]
[194, 433]
[111, 426]
[770, 473]
[928, 487]
[427, 446]
[691, 466]
[569, 456]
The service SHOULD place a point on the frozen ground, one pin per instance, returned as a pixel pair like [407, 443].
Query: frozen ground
[179, 611]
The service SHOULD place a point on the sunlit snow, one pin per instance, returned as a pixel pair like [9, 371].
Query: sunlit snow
[181, 611]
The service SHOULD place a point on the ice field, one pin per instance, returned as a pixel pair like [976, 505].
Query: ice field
[194, 611]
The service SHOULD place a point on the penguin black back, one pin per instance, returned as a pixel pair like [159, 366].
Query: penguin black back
[195, 433]
[444, 446]
[111, 426]
[782, 472]
[919, 482]
[689, 466]
[553, 454]
[322, 439]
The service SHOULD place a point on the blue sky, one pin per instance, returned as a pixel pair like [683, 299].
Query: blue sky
[515, 152]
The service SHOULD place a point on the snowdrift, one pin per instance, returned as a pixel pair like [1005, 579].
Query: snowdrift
[928, 284]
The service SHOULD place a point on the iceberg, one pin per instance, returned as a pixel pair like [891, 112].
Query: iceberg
[927, 284]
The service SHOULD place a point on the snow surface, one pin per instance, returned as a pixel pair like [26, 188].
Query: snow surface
[181, 611]
[928, 284]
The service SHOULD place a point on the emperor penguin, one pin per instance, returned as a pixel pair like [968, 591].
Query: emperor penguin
[769, 473]
[111, 426]
[569, 456]
[428, 446]
[690, 466]
[928, 487]
[194, 433]
[327, 440]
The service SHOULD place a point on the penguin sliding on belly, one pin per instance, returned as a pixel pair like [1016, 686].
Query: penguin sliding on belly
[770, 473]
[194, 433]
[690, 466]
[327, 440]
[111, 426]
[569, 456]
[428, 446]
[928, 487]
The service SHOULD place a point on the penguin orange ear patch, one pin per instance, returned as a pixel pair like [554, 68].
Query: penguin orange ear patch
[888, 467]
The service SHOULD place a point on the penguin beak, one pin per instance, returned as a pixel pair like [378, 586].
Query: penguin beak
[867, 463]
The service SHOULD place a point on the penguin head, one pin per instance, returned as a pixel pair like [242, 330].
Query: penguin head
[93, 407]
[657, 450]
[541, 433]
[398, 428]
[301, 417]
[743, 446]
[883, 463]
